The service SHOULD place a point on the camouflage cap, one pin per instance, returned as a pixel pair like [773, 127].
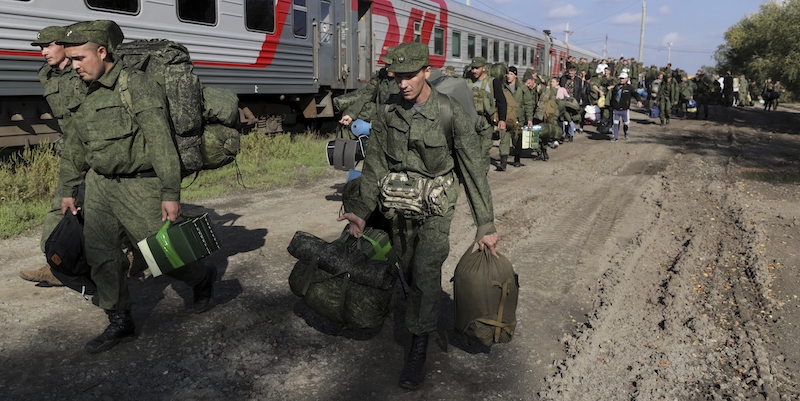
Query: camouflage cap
[49, 35]
[409, 57]
[450, 68]
[478, 62]
[105, 33]
[387, 58]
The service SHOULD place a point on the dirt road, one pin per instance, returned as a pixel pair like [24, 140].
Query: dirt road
[664, 267]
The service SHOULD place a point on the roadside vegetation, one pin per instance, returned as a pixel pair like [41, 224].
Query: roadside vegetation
[28, 178]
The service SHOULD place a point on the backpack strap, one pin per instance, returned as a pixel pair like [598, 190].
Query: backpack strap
[124, 92]
[446, 118]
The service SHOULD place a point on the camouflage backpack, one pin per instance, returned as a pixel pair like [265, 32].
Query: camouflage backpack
[203, 120]
[482, 98]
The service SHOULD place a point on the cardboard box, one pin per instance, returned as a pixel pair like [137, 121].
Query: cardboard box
[177, 244]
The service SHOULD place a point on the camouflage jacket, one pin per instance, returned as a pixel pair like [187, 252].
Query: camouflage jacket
[63, 89]
[702, 86]
[363, 104]
[111, 139]
[668, 93]
[414, 143]
[524, 99]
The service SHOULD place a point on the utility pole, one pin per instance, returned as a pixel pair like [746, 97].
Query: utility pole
[641, 35]
[566, 33]
[605, 48]
[669, 52]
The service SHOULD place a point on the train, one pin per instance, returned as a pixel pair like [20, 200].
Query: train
[285, 58]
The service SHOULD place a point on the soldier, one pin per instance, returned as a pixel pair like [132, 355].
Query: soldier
[524, 112]
[133, 180]
[744, 91]
[702, 92]
[408, 143]
[621, 104]
[777, 90]
[667, 98]
[450, 71]
[766, 94]
[61, 92]
[685, 94]
[488, 97]
[364, 103]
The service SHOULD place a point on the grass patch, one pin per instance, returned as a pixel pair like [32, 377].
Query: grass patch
[29, 177]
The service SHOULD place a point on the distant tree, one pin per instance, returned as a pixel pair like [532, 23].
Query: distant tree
[708, 70]
[765, 44]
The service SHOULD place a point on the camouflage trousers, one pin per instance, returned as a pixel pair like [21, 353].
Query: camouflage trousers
[665, 110]
[113, 210]
[422, 247]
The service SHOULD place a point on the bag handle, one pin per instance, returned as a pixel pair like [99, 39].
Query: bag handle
[166, 246]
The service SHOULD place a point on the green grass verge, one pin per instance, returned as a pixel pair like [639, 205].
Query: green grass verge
[29, 177]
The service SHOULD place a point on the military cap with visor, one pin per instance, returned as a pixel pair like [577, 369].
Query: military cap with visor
[388, 57]
[105, 33]
[49, 35]
[409, 57]
[478, 62]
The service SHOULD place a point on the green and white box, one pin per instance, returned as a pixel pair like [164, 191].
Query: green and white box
[177, 244]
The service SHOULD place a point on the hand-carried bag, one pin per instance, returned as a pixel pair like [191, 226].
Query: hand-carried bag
[485, 293]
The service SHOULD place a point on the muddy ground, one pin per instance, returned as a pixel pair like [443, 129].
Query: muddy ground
[664, 267]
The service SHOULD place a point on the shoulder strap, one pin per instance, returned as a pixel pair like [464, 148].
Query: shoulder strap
[125, 94]
[446, 118]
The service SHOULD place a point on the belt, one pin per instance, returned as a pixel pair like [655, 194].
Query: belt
[141, 174]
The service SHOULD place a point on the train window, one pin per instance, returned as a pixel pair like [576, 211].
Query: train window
[122, 6]
[417, 31]
[456, 44]
[506, 52]
[299, 18]
[438, 41]
[516, 54]
[326, 23]
[524, 55]
[496, 51]
[260, 15]
[485, 48]
[471, 46]
[202, 11]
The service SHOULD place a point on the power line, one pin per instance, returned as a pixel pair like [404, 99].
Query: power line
[521, 22]
[608, 16]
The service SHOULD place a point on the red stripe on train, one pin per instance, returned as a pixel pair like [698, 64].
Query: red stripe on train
[20, 53]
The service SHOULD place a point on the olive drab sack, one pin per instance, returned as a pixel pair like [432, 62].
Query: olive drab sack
[460, 91]
[485, 293]
[220, 142]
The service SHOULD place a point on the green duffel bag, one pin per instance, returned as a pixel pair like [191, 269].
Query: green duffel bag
[485, 294]
[340, 283]
[550, 131]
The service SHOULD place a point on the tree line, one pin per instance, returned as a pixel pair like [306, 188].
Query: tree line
[765, 44]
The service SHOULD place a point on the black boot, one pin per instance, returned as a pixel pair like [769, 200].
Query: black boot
[517, 162]
[545, 157]
[414, 369]
[203, 292]
[503, 163]
[120, 329]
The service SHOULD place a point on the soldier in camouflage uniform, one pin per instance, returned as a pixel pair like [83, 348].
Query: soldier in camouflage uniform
[409, 141]
[524, 114]
[133, 181]
[666, 98]
[364, 103]
[702, 93]
[62, 92]
[485, 87]
[685, 94]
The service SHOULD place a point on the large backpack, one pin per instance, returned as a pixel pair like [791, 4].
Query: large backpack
[482, 100]
[170, 64]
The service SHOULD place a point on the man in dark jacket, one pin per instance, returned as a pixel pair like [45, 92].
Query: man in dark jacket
[702, 92]
[621, 104]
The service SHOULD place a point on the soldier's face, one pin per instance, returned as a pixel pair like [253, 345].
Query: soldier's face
[88, 60]
[511, 77]
[478, 71]
[529, 83]
[411, 84]
[53, 54]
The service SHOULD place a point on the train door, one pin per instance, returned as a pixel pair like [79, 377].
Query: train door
[326, 38]
[365, 36]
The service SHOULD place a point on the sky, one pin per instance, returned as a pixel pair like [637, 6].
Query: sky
[695, 28]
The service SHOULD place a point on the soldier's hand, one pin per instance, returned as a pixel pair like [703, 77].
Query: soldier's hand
[357, 224]
[530, 123]
[68, 204]
[346, 120]
[501, 125]
[170, 210]
[638, 104]
[490, 241]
